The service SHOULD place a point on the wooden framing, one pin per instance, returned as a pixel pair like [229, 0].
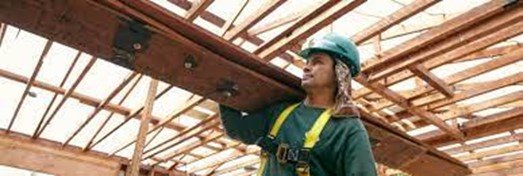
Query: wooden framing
[254, 18]
[73, 64]
[101, 105]
[175, 39]
[112, 113]
[144, 125]
[444, 30]
[67, 94]
[198, 9]
[402, 102]
[507, 123]
[432, 80]
[30, 82]
[307, 25]
[3, 28]
[488, 143]
[507, 59]
[395, 18]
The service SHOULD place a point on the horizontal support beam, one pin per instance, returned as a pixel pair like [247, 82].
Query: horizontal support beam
[442, 31]
[511, 17]
[510, 122]
[402, 102]
[393, 19]
[484, 144]
[432, 80]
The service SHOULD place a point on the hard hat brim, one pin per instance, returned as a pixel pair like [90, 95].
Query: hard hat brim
[315, 49]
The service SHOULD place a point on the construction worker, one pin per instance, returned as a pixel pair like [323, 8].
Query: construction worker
[322, 135]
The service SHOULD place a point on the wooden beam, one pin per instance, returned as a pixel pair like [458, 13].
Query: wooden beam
[181, 138]
[3, 28]
[403, 75]
[46, 156]
[239, 152]
[88, 145]
[241, 165]
[36, 70]
[516, 104]
[101, 105]
[489, 52]
[515, 171]
[133, 114]
[402, 102]
[144, 125]
[276, 23]
[393, 19]
[492, 119]
[512, 17]
[90, 100]
[484, 144]
[510, 122]
[230, 22]
[203, 44]
[192, 147]
[493, 152]
[317, 9]
[67, 95]
[200, 127]
[205, 15]
[197, 9]
[174, 115]
[498, 166]
[253, 19]
[306, 26]
[462, 111]
[87, 100]
[506, 59]
[506, 81]
[71, 67]
[496, 160]
[432, 80]
[442, 31]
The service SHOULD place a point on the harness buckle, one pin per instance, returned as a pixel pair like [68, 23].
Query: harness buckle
[302, 169]
[281, 153]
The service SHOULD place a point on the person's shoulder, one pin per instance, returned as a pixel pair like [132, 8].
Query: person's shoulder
[280, 106]
[348, 124]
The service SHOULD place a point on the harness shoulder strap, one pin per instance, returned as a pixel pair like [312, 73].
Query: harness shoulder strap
[313, 135]
[311, 138]
[281, 118]
[274, 131]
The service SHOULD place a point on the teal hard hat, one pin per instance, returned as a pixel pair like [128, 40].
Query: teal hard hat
[336, 45]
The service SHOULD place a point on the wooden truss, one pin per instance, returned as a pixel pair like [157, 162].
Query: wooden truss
[215, 69]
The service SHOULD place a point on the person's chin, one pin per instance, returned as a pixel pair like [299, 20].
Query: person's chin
[305, 84]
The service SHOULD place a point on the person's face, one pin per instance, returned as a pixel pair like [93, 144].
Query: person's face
[318, 72]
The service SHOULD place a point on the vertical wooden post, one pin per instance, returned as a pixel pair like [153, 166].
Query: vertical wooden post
[144, 125]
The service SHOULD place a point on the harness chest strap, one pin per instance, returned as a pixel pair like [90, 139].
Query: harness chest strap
[311, 137]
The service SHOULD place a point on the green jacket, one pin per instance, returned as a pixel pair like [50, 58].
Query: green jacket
[343, 149]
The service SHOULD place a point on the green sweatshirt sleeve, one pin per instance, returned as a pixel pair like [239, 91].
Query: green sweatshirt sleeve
[357, 157]
[247, 128]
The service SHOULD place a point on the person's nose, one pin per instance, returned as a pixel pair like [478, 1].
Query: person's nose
[307, 68]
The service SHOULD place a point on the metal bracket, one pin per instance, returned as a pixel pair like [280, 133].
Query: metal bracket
[228, 88]
[130, 38]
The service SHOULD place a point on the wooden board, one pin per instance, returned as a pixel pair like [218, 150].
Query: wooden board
[91, 26]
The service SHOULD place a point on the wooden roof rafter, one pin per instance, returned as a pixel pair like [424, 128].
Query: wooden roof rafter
[36, 70]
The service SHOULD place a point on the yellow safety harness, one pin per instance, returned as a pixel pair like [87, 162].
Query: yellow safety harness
[311, 137]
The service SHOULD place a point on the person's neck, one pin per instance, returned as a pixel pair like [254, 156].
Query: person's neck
[320, 98]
